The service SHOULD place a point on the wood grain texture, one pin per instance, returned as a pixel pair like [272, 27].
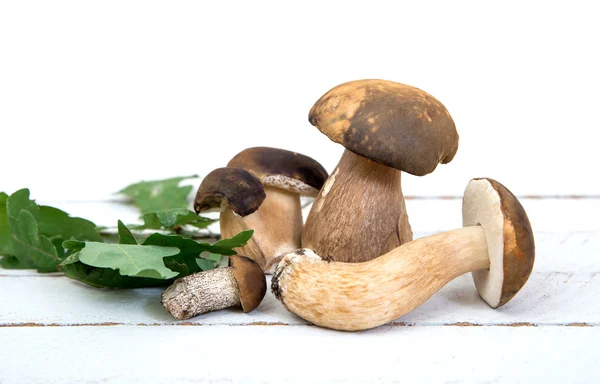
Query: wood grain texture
[549, 298]
[126, 354]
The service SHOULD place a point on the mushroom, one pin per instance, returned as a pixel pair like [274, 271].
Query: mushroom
[260, 189]
[496, 244]
[242, 283]
[386, 128]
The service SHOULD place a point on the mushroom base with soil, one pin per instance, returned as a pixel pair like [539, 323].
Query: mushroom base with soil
[242, 283]
[197, 294]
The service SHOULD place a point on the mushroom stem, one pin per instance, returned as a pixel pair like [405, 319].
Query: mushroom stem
[358, 296]
[277, 226]
[360, 203]
[202, 292]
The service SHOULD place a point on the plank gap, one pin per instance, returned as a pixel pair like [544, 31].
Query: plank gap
[281, 324]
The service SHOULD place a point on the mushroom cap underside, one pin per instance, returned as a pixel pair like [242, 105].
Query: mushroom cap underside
[391, 123]
[283, 169]
[509, 236]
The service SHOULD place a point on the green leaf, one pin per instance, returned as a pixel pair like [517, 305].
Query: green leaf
[173, 217]
[6, 247]
[159, 195]
[37, 232]
[73, 258]
[202, 222]
[178, 265]
[17, 202]
[11, 262]
[190, 247]
[31, 249]
[215, 258]
[108, 278]
[130, 260]
[14, 204]
[205, 264]
[54, 222]
[211, 261]
[191, 250]
[73, 245]
[186, 262]
[125, 236]
[225, 246]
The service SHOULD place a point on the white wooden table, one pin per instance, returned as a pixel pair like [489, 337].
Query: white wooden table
[57, 330]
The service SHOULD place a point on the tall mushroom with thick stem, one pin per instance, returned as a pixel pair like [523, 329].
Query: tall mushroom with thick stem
[260, 190]
[387, 128]
[496, 244]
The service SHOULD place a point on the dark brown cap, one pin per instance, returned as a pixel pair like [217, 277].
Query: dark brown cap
[250, 279]
[234, 187]
[391, 123]
[509, 236]
[283, 169]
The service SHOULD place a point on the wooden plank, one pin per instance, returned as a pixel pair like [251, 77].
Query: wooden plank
[560, 291]
[554, 298]
[220, 354]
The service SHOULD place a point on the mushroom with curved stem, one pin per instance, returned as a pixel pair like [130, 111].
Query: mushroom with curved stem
[273, 212]
[387, 128]
[496, 245]
[242, 284]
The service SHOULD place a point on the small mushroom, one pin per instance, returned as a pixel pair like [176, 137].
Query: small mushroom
[496, 244]
[386, 128]
[242, 283]
[260, 190]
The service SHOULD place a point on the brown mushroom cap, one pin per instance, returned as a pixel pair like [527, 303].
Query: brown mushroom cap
[283, 169]
[509, 236]
[391, 123]
[251, 281]
[232, 187]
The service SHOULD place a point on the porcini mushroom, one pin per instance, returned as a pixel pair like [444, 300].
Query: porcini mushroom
[387, 128]
[496, 244]
[274, 212]
[242, 284]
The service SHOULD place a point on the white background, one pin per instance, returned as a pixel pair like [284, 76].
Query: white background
[96, 95]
